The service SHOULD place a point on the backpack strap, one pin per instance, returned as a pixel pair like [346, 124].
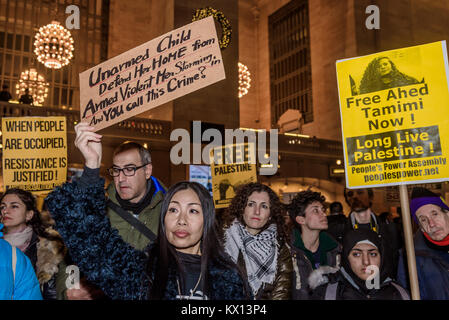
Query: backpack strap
[402, 291]
[14, 260]
[128, 217]
[331, 291]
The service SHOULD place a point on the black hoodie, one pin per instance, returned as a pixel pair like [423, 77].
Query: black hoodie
[350, 286]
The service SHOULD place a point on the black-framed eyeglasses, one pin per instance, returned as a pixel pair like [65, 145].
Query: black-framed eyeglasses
[127, 171]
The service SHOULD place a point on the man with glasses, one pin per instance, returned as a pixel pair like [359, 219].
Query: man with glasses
[431, 242]
[311, 247]
[134, 194]
[363, 217]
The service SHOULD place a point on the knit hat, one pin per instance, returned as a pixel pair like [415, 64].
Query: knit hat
[422, 196]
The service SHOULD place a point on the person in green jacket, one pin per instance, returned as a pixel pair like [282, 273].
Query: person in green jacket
[312, 248]
[134, 190]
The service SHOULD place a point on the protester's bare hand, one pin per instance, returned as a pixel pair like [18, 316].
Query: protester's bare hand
[89, 143]
[83, 293]
[87, 291]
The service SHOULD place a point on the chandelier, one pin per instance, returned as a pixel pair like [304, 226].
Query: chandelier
[244, 79]
[35, 83]
[53, 45]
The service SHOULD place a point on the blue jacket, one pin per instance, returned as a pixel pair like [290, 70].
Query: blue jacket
[432, 268]
[106, 259]
[25, 286]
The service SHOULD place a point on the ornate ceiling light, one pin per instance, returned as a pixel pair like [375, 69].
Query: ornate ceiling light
[35, 83]
[53, 45]
[244, 79]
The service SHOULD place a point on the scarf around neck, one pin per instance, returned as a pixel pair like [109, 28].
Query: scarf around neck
[259, 252]
[20, 239]
[138, 207]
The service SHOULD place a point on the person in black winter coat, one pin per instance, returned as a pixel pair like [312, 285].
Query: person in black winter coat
[362, 275]
[26, 98]
[336, 220]
[4, 94]
[311, 246]
[363, 217]
[187, 261]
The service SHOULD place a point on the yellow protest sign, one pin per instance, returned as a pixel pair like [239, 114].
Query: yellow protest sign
[395, 116]
[231, 166]
[34, 153]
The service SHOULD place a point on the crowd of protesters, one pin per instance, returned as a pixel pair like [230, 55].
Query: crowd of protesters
[140, 240]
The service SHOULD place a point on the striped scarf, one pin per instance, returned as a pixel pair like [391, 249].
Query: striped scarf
[259, 252]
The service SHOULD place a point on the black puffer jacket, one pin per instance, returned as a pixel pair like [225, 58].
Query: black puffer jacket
[346, 285]
[302, 266]
[107, 260]
[348, 290]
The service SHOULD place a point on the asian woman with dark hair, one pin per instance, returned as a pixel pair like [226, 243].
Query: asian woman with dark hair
[187, 261]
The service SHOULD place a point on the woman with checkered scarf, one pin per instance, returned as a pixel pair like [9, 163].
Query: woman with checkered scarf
[255, 237]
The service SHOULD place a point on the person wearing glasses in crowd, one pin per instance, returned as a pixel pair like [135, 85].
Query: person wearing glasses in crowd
[133, 195]
[186, 262]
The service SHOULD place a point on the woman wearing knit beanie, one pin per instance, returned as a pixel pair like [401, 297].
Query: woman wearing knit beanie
[362, 275]
[431, 245]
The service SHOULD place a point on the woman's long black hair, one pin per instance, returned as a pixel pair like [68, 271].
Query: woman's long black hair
[165, 253]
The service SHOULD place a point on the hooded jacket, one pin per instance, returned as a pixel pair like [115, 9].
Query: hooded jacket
[302, 265]
[45, 256]
[22, 286]
[391, 239]
[346, 284]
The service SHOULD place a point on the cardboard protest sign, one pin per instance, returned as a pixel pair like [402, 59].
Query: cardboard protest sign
[170, 66]
[34, 153]
[231, 166]
[395, 116]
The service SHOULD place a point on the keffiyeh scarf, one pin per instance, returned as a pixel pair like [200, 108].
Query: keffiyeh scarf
[259, 252]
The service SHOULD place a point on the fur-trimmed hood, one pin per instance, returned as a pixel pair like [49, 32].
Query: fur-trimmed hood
[49, 254]
[320, 276]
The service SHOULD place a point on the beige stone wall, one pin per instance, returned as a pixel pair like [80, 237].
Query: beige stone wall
[403, 23]
[261, 85]
[250, 112]
[332, 37]
[132, 23]
[217, 103]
